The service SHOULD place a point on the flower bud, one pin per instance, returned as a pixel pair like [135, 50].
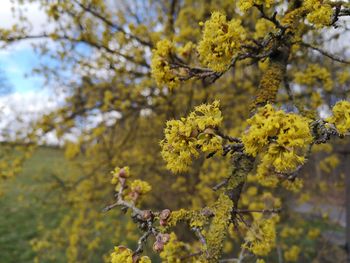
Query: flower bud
[165, 214]
[165, 238]
[158, 246]
[147, 215]
[122, 173]
[162, 222]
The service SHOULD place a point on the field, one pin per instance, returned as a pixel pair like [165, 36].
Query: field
[22, 207]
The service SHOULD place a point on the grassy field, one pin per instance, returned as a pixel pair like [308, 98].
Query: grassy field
[21, 206]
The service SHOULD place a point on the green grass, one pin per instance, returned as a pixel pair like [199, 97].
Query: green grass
[21, 207]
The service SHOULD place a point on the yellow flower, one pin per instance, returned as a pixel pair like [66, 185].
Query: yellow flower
[160, 65]
[244, 5]
[319, 14]
[140, 187]
[173, 250]
[120, 172]
[292, 254]
[221, 40]
[341, 116]
[279, 139]
[261, 237]
[185, 137]
[313, 233]
[314, 74]
[329, 163]
[124, 255]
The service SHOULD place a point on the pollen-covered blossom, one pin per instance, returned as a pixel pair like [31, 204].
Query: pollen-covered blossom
[161, 70]
[261, 237]
[341, 116]
[244, 5]
[141, 187]
[279, 139]
[184, 137]
[320, 14]
[125, 255]
[221, 40]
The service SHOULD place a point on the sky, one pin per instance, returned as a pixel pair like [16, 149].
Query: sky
[17, 60]
[29, 99]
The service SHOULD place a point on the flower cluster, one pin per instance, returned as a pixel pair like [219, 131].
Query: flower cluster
[123, 254]
[341, 116]
[320, 14]
[135, 189]
[261, 237]
[313, 75]
[140, 187]
[244, 5]
[173, 250]
[280, 139]
[120, 173]
[184, 137]
[161, 241]
[222, 39]
[161, 69]
[292, 254]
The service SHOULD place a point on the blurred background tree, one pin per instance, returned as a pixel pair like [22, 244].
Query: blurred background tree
[98, 53]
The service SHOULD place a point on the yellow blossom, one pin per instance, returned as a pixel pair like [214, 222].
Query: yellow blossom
[123, 254]
[173, 250]
[341, 116]
[184, 137]
[314, 74]
[261, 237]
[320, 14]
[279, 139]
[244, 5]
[221, 40]
[292, 254]
[160, 65]
[140, 187]
[313, 233]
[120, 172]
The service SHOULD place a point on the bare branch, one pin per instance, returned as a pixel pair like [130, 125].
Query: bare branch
[325, 53]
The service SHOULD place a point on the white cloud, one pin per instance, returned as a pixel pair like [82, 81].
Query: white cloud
[20, 109]
[36, 16]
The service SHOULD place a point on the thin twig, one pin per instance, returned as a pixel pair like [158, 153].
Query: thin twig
[325, 53]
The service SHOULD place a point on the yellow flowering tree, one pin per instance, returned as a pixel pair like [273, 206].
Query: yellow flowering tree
[216, 106]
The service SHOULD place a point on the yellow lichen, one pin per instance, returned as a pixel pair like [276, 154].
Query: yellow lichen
[218, 228]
